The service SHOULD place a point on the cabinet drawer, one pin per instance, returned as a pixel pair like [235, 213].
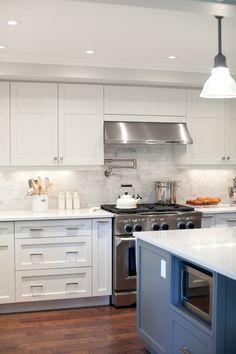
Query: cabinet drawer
[53, 284]
[53, 253]
[226, 219]
[6, 228]
[56, 228]
[208, 220]
[187, 338]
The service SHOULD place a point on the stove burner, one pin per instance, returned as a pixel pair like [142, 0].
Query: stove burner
[148, 208]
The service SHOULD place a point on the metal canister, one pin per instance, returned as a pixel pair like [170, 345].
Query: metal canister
[166, 191]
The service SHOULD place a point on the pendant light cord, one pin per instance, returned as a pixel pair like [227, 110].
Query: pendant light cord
[219, 18]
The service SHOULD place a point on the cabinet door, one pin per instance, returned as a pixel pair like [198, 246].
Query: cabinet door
[81, 124]
[7, 271]
[206, 124]
[153, 296]
[33, 124]
[208, 220]
[226, 220]
[101, 256]
[230, 132]
[52, 284]
[5, 124]
[134, 100]
[187, 338]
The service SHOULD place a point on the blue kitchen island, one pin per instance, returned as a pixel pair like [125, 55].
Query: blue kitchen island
[186, 291]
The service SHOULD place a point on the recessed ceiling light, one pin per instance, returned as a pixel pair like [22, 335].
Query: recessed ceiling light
[171, 57]
[2, 47]
[12, 22]
[89, 51]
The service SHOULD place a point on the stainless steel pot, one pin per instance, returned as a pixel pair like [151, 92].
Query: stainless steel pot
[166, 191]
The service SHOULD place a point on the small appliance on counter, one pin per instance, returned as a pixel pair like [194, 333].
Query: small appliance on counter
[232, 192]
[166, 191]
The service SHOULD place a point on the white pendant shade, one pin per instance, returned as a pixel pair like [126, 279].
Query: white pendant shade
[219, 85]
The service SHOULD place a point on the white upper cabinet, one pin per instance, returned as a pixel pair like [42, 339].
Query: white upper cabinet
[33, 124]
[81, 124]
[5, 124]
[169, 104]
[211, 123]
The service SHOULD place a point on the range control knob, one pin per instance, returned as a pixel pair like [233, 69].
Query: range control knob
[165, 226]
[138, 227]
[182, 225]
[128, 228]
[190, 225]
[155, 227]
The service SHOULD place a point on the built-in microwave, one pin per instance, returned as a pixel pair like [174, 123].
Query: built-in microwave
[196, 291]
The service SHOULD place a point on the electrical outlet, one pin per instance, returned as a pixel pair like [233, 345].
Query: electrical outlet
[194, 190]
[15, 192]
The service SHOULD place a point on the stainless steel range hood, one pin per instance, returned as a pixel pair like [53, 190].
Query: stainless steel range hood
[146, 133]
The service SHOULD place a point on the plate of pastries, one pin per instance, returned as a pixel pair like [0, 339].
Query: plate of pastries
[204, 201]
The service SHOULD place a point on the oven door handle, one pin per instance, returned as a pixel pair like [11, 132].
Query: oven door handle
[119, 240]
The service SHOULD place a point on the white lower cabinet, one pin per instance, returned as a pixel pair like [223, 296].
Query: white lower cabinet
[53, 284]
[62, 259]
[101, 258]
[7, 274]
[218, 220]
[208, 220]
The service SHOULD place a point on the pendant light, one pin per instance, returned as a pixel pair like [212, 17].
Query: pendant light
[220, 84]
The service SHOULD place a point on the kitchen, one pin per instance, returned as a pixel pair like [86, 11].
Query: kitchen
[49, 74]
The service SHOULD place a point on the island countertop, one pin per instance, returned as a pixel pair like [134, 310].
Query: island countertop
[213, 248]
[53, 214]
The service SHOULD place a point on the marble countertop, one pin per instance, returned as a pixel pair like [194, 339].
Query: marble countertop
[53, 214]
[213, 248]
[216, 209]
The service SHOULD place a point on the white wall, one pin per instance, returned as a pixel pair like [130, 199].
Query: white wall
[153, 163]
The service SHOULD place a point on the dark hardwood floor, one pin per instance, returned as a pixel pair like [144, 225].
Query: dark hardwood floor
[96, 330]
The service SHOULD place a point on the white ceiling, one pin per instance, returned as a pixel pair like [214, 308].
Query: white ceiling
[60, 32]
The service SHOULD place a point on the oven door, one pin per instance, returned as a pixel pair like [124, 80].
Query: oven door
[124, 263]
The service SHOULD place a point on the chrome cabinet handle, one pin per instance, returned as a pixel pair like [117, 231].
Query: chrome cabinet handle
[71, 252]
[223, 158]
[185, 350]
[72, 283]
[231, 220]
[102, 222]
[72, 228]
[228, 157]
[207, 216]
[55, 158]
[61, 158]
[36, 229]
[36, 254]
[37, 286]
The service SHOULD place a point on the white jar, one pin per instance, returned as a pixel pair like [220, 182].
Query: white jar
[69, 200]
[40, 203]
[61, 201]
[76, 200]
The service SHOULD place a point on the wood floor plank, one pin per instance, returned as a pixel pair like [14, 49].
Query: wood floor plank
[96, 330]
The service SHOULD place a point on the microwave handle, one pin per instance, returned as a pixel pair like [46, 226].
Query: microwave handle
[182, 284]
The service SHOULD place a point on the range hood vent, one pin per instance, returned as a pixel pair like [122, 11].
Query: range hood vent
[146, 133]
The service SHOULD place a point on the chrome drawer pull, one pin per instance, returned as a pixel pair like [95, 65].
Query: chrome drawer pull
[37, 286]
[72, 283]
[69, 252]
[36, 254]
[231, 220]
[207, 216]
[72, 228]
[184, 350]
[102, 222]
[36, 229]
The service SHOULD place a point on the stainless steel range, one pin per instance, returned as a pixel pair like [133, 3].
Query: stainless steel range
[145, 217]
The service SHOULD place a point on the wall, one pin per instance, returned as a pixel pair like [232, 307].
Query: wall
[153, 163]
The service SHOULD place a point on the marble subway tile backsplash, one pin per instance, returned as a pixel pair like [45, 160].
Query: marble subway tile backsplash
[153, 163]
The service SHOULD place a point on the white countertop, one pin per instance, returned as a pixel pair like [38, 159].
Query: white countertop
[216, 209]
[53, 214]
[213, 248]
